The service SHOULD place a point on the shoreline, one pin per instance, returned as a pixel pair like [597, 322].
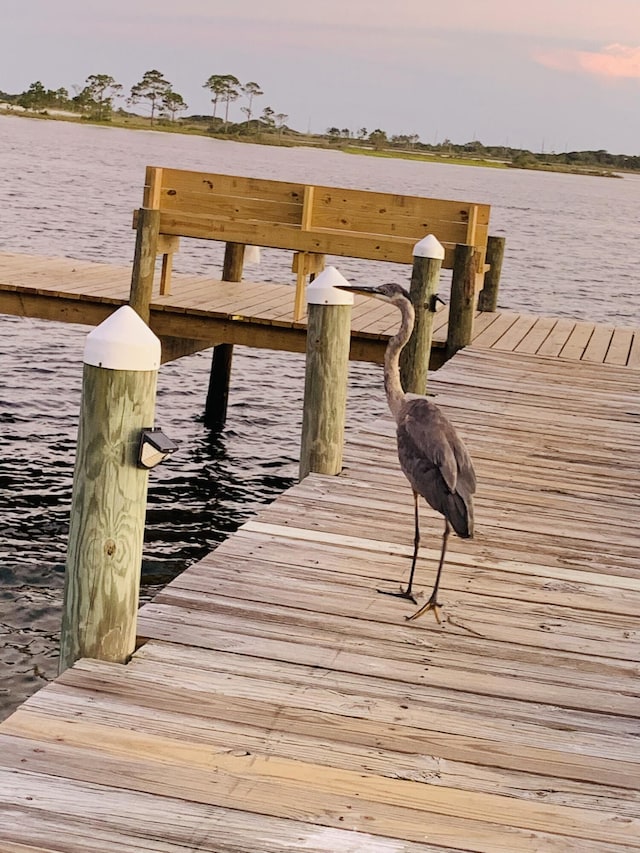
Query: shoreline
[305, 141]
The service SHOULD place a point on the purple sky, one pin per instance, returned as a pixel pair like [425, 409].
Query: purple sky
[557, 75]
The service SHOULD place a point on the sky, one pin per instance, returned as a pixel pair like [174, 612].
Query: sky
[549, 75]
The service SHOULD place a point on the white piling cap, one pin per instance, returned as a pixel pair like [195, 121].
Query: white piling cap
[429, 247]
[323, 290]
[123, 342]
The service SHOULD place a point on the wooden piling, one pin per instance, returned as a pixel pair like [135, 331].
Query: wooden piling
[168, 245]
[106, 530]
[144, 261]
[215, 411]
[488, 296]
[462, 300]
[147, 239]
[428, 255]
[326, 374]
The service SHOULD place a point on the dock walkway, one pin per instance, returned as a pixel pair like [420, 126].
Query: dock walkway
[279, 703]
[208, 311]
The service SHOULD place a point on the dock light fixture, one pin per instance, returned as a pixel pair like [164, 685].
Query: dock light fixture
[154, 447]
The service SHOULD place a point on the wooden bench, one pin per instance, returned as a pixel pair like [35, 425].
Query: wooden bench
[310, 221]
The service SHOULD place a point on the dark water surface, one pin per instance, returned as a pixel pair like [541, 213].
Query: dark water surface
[69, 190]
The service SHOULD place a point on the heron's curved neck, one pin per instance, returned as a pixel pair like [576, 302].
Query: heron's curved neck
[392, 383]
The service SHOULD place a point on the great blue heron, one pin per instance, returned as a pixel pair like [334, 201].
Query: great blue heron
[432, 456]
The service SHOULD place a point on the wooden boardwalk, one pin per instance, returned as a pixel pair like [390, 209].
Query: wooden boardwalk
[279, 703]
[207, 311]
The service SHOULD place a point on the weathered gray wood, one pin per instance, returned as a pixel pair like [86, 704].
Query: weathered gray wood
[107, 516]
[274, 665]
[325, 389]
[71, 291]
[462, 301]
[144, 261]
[414, 360]
[488, 296]
[233, 262]
[215, 411]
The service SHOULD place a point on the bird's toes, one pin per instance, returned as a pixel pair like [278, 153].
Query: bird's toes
[430, 605]
[399, 593]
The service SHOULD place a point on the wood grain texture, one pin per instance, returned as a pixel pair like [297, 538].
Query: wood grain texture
[144, 261]
[463, 299]
[415, 357]
[108, 510]
[325, 389]
[261, 314]
[488, 296]
[278, 702]
[337, 220]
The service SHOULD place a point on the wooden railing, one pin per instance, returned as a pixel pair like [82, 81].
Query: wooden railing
[310, 221]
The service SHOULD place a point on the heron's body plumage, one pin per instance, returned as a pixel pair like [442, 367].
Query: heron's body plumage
[436, 463]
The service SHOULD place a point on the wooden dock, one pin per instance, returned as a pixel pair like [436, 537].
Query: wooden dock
[202, 312]
[279, 703]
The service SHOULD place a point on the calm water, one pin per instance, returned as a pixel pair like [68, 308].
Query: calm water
[70, 190]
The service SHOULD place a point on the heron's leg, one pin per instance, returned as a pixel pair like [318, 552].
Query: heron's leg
[416, 543]
[432, 603]
[407, 593]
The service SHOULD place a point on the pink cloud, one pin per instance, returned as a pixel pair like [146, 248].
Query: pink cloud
[614, 60]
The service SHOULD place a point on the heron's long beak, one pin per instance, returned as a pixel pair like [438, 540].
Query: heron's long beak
[365, 290]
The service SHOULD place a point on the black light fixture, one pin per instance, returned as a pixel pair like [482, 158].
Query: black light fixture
[154, 447]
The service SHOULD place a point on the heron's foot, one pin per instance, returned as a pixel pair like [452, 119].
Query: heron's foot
[401, 593]
[432, 604]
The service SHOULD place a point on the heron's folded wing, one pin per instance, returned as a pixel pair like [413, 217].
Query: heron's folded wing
[423, 447]
[427, 438]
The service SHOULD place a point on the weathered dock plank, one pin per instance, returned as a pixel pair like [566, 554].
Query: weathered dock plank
[261, 314]
[278, 702]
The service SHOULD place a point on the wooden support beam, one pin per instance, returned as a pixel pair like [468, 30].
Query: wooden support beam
[326, 374]
[167, 246]
[109, 492]
[233, 262]
[425, 278]
[215, 413]
[174, 348]
[488, 296]
[147, 237]
[144, 261]
[301, 262]
[463, 298]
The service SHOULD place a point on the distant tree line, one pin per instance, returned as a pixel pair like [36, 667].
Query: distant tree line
[528, 159]
[97, 97]
[522, 158]
[225, 89]
[96, 100]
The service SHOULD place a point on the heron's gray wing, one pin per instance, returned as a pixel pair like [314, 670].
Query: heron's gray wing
[466, 473]
[427, 439]
[436, 463]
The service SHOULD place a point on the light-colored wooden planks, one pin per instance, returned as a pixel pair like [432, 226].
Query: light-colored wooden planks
[279, 702]
[261, 314]
[620, 347]
[575, 344]
[515, 334]
[536, 336]
[308, 218]
[555, 340]
[392, 807]
[493, 333]
[128, 818]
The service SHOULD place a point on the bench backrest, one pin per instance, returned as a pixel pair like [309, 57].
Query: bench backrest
[308, 218]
